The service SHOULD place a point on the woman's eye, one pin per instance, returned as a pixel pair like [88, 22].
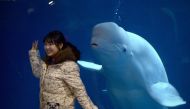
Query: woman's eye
[50, 44]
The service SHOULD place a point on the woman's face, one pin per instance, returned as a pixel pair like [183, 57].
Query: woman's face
[51, 49]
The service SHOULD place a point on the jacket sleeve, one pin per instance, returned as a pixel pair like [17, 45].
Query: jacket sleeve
[36, 62]
[72, 78]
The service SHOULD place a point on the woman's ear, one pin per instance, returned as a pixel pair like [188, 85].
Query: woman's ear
[60, 46]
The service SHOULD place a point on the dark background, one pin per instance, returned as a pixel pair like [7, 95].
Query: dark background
[164, 23]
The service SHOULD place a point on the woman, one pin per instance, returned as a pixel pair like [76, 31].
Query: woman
[60, 81]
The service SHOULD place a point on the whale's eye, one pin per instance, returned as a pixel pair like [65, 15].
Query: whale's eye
[94, 44]
[124, 49]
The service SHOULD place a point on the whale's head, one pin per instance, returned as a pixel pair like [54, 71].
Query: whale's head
[108, 42]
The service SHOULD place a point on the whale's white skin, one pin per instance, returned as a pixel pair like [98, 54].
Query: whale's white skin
[135, 75]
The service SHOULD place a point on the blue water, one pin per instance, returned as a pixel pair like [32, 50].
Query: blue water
[164, 23]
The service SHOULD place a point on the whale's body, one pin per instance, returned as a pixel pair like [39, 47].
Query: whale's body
[135, 75]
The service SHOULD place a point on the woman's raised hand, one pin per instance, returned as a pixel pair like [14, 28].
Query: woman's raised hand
[35, 45]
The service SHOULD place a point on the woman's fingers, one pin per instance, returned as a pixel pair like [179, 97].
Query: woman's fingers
[35, 45]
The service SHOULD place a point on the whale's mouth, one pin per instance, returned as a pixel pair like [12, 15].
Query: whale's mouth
[94, 44]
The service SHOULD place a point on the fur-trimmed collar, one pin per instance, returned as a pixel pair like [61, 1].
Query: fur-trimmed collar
[61, 56]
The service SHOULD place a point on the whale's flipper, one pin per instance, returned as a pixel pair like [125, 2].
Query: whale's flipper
[166, 94]
[90, 65]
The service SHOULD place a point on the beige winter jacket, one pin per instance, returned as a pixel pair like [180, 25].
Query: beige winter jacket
[60, 84]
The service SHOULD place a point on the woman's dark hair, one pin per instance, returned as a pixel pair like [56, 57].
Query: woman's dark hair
[74, 50]
[57, 37]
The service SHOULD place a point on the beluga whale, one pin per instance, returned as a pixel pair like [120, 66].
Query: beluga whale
[135, 75]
